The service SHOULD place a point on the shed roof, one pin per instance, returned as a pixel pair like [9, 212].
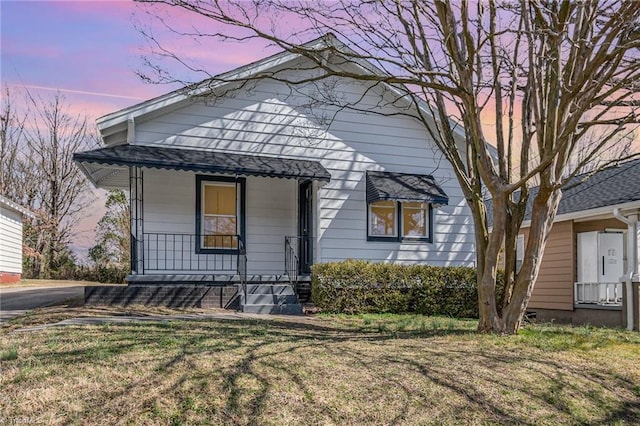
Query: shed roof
[404, 187]
[7, 203]
[200, 160]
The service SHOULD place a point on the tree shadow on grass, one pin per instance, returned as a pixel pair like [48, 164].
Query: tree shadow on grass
[238, 372]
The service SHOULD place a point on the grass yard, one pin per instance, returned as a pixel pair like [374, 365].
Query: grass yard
[342, 370]
[47, 283]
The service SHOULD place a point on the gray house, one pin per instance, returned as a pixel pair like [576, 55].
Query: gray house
[234, 185]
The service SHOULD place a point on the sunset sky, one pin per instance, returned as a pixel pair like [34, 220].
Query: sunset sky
[89, 51]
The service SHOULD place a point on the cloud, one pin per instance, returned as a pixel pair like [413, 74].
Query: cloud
[82, 92]
[21, 47]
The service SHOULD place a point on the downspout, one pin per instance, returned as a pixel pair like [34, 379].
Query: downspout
[631, 273]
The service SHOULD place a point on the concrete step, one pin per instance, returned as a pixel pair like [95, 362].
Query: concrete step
[269, 299]
[278, 299]
[274, 309]
[283, 289]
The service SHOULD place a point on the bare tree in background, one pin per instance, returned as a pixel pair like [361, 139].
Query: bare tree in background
[546, 75]
[11, 130]
[39, 173]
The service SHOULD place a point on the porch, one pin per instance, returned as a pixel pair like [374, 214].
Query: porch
[605, 294]
[206, 218]
[170, 258]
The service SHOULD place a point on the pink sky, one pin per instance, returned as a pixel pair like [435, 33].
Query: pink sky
[89, 51]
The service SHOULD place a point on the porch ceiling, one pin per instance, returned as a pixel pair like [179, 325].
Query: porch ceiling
[197, 160]
[404, 187]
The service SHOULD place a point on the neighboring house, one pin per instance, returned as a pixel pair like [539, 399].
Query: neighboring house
[258, 183]
[11, 216]
[586, 253]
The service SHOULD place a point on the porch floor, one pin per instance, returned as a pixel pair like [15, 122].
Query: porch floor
[210, 279]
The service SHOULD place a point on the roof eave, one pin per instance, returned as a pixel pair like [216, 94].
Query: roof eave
[585, 214]
[89, 157]
[7, 203]
[184, 94]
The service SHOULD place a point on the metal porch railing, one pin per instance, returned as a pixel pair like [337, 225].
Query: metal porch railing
[242, 267]
[297, 249]
[291, 261]
[608, 294]
[192, 253]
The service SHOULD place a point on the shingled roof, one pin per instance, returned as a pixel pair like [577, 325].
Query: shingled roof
[609, 187]
[200, 160]
[405, 187]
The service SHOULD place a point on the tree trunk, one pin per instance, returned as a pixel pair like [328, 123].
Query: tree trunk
[489, 319]
[543, 214]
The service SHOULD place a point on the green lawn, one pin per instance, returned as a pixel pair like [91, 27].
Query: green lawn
[330, 370]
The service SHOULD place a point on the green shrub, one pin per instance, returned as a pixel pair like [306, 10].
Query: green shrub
[102, 274]
[357, 286]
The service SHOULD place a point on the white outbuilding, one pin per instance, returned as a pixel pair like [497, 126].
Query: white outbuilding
[11, 217]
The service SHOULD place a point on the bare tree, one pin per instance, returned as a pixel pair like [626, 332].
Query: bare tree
[53, 186]
[11, 130]
[546, 74]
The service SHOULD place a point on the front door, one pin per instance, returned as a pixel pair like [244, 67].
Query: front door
[305, 227]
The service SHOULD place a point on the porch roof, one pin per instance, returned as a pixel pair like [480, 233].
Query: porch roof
[404, 187]
[198, 160]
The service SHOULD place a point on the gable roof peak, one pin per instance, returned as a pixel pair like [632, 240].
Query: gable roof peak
[328, 40]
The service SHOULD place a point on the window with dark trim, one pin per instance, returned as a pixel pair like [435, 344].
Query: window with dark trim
[389, 220]
[220, 214]
[519, 251]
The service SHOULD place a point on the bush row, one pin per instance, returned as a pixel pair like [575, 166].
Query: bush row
[101, 274]
[356, 286]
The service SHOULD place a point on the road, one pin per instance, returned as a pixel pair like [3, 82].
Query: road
[16, 301]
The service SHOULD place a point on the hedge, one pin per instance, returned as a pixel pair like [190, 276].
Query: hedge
[357, 286]
[101, 274]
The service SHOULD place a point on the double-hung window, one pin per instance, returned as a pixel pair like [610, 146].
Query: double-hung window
[399, 220]
[519, 252]
[219, 213]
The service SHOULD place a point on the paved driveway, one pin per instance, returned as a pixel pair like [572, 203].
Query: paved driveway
[16, 301]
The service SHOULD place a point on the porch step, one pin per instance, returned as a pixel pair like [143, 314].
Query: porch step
[287, 309]
[270, 299]
[282, 289]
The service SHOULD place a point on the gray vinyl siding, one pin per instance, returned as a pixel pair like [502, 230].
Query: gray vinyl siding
[169, 208]
[270, 120]
[10, 241]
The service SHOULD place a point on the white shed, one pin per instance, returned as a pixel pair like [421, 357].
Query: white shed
[11, 215]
